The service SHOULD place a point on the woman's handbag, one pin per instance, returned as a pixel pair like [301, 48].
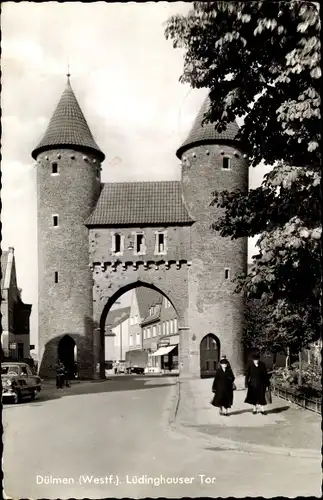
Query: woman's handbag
[268, 396]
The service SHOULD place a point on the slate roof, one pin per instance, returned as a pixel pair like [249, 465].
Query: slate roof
[4, 261]
[146, 298]
[68, 127]
[206, 134]
[137, 203]
[117, 316]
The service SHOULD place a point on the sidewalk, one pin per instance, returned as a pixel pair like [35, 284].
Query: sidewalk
[286, 426]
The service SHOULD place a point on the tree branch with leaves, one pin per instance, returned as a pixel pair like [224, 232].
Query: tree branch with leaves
[261, 61]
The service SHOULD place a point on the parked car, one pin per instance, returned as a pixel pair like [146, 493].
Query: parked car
[18, 381]
[137, 370]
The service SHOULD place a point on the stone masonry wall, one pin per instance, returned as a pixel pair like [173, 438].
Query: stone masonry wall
[213, 305]
[109, 284]
[178, 239]
[65, 307]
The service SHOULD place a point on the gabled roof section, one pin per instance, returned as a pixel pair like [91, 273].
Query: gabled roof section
[146, 298]
[68, 127]
[117, 316]
[134, 203]
[8, 270]
[4, 264]
[206, 133]
[151, 319]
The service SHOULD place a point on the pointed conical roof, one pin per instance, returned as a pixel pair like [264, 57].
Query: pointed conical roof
[206, 133]
[68, 127]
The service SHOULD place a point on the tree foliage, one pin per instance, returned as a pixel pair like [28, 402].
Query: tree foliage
[261, 61]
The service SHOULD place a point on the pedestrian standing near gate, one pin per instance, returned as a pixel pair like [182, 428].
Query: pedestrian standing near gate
[223, 386]
[60, 370]
[66, 377]
[257, 382]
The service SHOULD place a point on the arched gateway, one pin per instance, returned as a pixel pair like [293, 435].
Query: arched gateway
[123, 283]
[66, 353]
[97, 240]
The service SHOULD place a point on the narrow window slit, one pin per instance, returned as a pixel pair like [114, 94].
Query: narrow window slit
[226, 165]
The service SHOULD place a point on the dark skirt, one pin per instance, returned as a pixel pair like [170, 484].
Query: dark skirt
[223, 399]
[256, 395]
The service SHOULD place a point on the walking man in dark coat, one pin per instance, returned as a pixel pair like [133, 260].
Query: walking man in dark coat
[223, 387]
[256, 381]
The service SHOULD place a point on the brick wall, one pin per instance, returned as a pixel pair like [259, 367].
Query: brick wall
[203, 299]
[213, 307]
[65, 307]
[101, 244]
[109, 284]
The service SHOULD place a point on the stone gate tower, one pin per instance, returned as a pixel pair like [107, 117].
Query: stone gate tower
[68, 186]
[97, 241]
[211, 162]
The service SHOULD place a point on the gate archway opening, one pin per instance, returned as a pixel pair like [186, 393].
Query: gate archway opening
[143, 336]
[67, 354]
[209, 355]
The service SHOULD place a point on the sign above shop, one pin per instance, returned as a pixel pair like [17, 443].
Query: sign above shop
[163, 342]
[12, 345]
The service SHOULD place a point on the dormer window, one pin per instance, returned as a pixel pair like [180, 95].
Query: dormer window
[54, 168]
[160, 243]
[117, 243]
[226, 163]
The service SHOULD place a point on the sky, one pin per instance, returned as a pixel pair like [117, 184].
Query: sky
[125, 76]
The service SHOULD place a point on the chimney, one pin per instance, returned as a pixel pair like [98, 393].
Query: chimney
[11, 250]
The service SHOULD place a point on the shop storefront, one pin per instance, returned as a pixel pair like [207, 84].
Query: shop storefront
[166, 356]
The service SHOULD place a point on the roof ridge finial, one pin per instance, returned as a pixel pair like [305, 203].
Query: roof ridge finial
[68, 74]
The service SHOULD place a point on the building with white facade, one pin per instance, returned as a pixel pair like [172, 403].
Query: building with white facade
[117, 334]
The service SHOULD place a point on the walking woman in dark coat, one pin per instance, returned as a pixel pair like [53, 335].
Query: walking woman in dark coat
[223, 387]
[257, 381]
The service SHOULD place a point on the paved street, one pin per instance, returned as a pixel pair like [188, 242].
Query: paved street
[285, 424]
[119, 429]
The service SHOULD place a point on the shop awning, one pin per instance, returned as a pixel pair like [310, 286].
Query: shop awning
[164, 350]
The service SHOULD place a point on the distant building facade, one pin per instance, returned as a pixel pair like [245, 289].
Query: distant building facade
[98, 240]
[142, 300]
[117, 334]
[154, 328]
[15, 314]
[160, 336]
